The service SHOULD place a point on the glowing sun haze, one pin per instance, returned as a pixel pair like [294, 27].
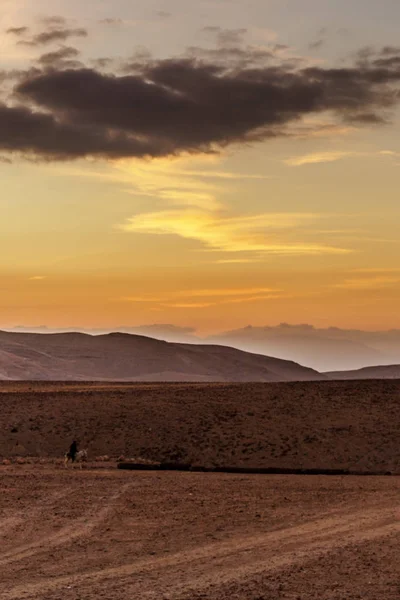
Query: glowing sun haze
[207, 163]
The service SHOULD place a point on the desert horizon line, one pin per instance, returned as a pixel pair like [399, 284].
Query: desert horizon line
[191, 330]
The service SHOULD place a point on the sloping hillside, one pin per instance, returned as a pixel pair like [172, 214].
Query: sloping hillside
[384, 372]
[123, 357]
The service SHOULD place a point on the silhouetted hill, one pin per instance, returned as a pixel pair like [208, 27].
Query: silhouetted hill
[384, 372]
[124, 357]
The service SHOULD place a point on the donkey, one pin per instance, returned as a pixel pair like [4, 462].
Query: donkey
[80, 457]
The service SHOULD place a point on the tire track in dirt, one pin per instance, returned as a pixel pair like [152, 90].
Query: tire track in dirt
[80, 528]
[230, 560]
[42, 506]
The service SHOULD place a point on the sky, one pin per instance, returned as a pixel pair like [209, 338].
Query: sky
[208, 164]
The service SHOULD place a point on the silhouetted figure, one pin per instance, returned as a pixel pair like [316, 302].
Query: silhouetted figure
[73, 449]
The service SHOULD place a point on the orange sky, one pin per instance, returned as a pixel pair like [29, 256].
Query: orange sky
[302, 228]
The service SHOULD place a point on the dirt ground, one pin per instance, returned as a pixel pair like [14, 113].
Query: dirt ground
[325, 425]
[101, 533]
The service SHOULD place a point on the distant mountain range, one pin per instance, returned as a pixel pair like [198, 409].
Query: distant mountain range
[385, 372]
[234, 356]
[124, 357]
[327, 349]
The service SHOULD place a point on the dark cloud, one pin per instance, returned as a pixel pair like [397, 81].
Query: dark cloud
[167, 107]
[231, 51]
[111, 21]
[316, 45]
[226, 37]
[102, 63]
[211, 29]
[321, 38]
[236, 57]
[40, 135]
[392, 62]
[55, 35]
[163, 14]
[64, 57]
[54, 21]
[231, 37]
[390, 50]
[280, 47]
[18, 30]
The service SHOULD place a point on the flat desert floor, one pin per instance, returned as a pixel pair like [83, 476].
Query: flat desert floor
[101, 533]
[325, 425]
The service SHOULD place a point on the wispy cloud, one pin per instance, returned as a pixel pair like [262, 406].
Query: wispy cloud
[255, 233]
[203, 298]
[203, 293]
[37, 277]
[318, 157]
[391, 154]
[188, 199]
[188, 304]
[179, 181]
[367, 283]
[242, 300]
[333, 156]
[377, 270]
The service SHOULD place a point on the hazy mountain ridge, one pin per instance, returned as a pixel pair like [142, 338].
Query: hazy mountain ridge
[329, 349]
[323, 349]
[380, 372]
[124, 357]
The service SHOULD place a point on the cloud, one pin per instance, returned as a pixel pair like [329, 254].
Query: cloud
[226, 37]
[204, 298]
[54, 21]
[333, 156]
[316, 45]
[64, 57]
[185, 105]
[170, 181]
[52, 35]
[37, 277]
[188, 304]
[317, 157]
[228, 292]
[163, 14]
[368, 283]
[18, 31]
[242, 300]
[41, 134]
[111, 21]
[390, 154]
[252, 234]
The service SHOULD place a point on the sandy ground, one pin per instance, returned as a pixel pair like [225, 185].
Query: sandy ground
[103, 533]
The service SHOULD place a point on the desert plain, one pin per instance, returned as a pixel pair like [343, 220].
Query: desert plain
[101, 532]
